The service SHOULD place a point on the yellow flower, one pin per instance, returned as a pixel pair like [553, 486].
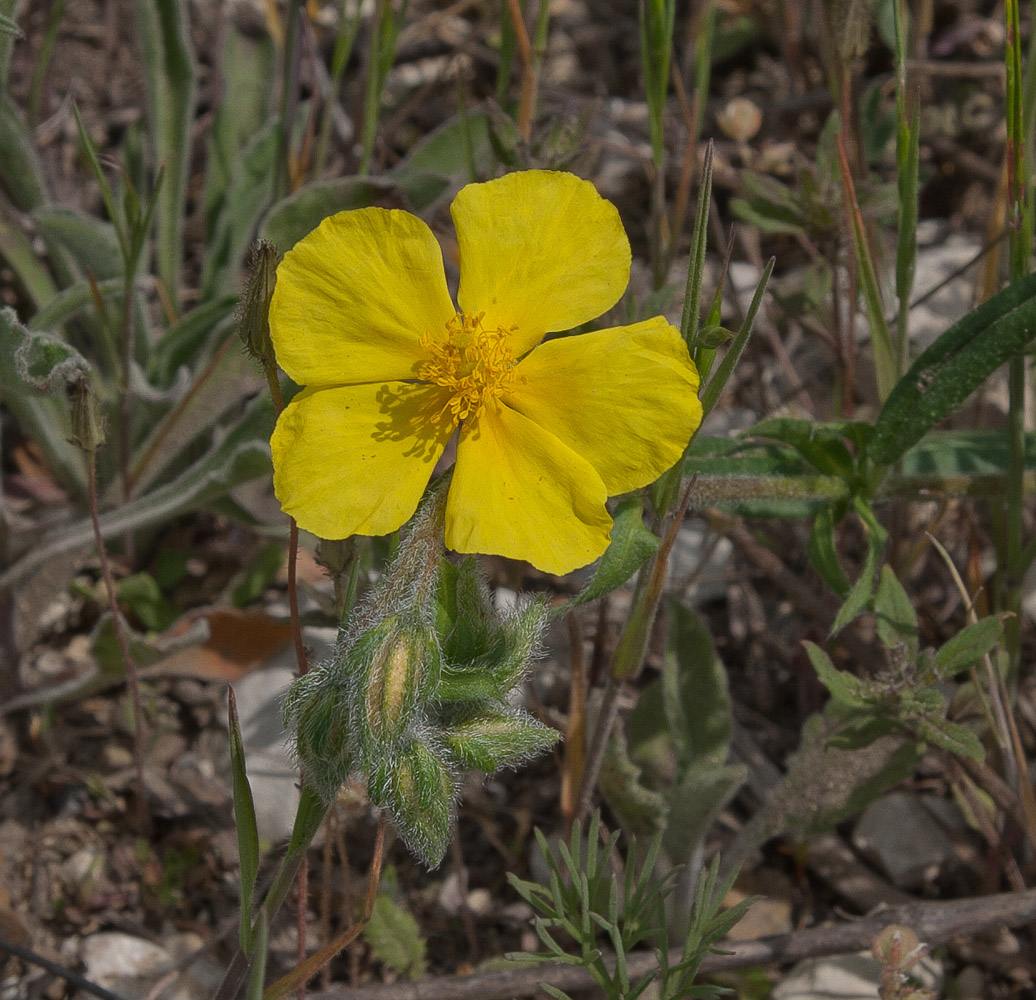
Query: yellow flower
[361, 316]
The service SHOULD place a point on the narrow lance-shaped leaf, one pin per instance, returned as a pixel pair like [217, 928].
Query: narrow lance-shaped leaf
[244, 819]
[968, 646]
[864, 587]
[169, 77]
[953, 367]
[881, 341]
[632, 544]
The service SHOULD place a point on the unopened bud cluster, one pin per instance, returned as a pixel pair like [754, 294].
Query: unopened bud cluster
[416, 692]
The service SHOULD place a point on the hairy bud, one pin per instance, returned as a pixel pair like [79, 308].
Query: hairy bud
[418, 788]
[254, 316]
[398, 668]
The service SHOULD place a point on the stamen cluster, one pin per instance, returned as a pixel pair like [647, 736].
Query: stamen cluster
[473, 364]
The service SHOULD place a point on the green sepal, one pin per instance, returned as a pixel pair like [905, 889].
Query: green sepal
[489, 739]
[418, 788]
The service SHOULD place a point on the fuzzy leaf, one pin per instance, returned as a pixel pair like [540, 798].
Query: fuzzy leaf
[395, 938]
[631, 545]
[953, 367]
[896, 618]
[695, 693]
[968, 646]
[844, 688]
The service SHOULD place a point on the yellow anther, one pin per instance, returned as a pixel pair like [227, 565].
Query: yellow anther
[474, 365]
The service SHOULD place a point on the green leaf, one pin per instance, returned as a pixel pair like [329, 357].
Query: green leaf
[44, 361]
[43, 417]
[863, 588]
[822, 445]
[845, 689]
[822, 550]
[640, 810]
[711, 393]
[164, 36]
[300, 213]
[395, 938]
[240, 209]
[242, 454]
[257, 575]
[437, 164]
[211, 398]
[247, 67]
[953, 367]
[951, 736]
[145, 599]
[694, 802]
[21, 173]
[896, 618]
[245, 822]
[695, 694]
[631, 545]
[90, 242]
[191, 339]
[489, 739]
[968, 646]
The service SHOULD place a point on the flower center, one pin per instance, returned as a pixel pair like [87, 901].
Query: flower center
[473, 364]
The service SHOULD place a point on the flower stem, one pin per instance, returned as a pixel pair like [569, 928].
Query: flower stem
[124, 647]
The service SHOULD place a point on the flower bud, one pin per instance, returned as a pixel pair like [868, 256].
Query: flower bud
[418, 788]
[254, 316]
[87, 425]
[316, 713]
[495, 738]
[398, 670]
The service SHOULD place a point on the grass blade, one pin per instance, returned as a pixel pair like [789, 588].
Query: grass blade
[169, 74]
[881, 341]
[244, 817]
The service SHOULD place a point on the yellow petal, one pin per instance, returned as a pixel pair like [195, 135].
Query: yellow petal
[624, 399]
[540, 250]
[356, 459]
[353, 297]
[519, 492]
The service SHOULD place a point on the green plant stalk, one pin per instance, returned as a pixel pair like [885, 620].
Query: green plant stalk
[908, 129]
[656, 21]
[465, 133]
[885, 363]
[308, 818]
[7, 36]
[298, 977]
[382, 52]
[282, 179]
[508, 42]
[344, 42]
[1021, 209]
[39, 74]
[132, 679]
